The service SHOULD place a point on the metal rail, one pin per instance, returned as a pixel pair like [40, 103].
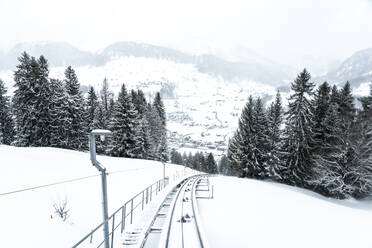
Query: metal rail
[184, 219]
[127, 211]
[171, 213]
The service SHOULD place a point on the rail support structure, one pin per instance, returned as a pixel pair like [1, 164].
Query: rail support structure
[92, 149]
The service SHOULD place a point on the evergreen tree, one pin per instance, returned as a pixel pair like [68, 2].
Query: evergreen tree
[202, 163]
[195, 161]
[327, 143]
[240, 150]
[298, 133]
[59, 113]
[320, 103]
[159, 106]
[176, 157]
[143, 142]
[77, 133]
[261, 145]
[139, 101]
[32, 102]
[106, 100]
[160, 119]
[92, 104]
[223, 166]
[274, 136]
[185, 159]
[6, 121]
[211, 166]
[249, 147]
[123, 126]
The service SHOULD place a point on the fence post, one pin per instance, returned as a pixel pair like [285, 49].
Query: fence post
[147, 196]
[151, 193]
[123, 217]
[131, 211]
[143, 194]
[112, 232]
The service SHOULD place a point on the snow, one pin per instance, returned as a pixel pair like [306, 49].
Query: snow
[363, 89]
[204, 108]
[250, 213]
[28, 218]
[101, 132]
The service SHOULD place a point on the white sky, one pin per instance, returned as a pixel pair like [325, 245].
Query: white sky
[284, 30]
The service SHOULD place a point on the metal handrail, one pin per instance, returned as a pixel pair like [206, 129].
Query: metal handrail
[159, 185]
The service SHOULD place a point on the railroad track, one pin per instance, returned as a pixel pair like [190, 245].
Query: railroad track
[176, 221]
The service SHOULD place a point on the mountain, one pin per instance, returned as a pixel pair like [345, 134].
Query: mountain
[63, 54]
[57, 53]
[356, 69]
[243, 68]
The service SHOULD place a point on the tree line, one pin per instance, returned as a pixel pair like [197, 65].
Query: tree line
[322, 142]
[54, 113]
[198, 161]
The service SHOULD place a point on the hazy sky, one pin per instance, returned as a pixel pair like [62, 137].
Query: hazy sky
[283, 30]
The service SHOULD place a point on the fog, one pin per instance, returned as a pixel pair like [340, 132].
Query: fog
[289, 32]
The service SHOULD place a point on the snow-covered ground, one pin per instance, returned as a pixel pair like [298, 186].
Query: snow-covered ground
[250, 213]
[27, 218]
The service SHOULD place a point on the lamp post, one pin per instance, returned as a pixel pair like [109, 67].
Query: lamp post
[92, 149]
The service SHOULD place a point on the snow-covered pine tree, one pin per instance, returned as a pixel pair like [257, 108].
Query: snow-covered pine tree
[32, 102]
[43, 102]
[59, 113]
[139, 101]
[202, 163]
[77, 131]
[261, 145]
[159, 106]
[249, 146]
[158, 109]
[123, 125]
[154, 122]
[185, 159]
[143, 139]
[347, 108]
[92, 104]
[327, 143]
[211, 164]
[196, 163]
[21, 100]
[362, 145]
[6, 121]
[274, 136]
[106, 99]
[176, 157]
[298, 133]
[320, 105]
[240, 147]
[189, 161]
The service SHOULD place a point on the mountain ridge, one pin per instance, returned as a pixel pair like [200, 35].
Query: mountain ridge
[63, 54]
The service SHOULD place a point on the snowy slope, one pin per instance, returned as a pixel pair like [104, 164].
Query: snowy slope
[250, 213]
[202, 109]
[356, 69]
[28, 219]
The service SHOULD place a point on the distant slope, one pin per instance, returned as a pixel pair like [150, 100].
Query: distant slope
[356, 69]
[62, 54]
[57, 53]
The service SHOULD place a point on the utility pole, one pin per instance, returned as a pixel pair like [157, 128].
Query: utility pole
[92, 149]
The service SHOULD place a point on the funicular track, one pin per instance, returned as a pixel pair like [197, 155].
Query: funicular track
[176, 223]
